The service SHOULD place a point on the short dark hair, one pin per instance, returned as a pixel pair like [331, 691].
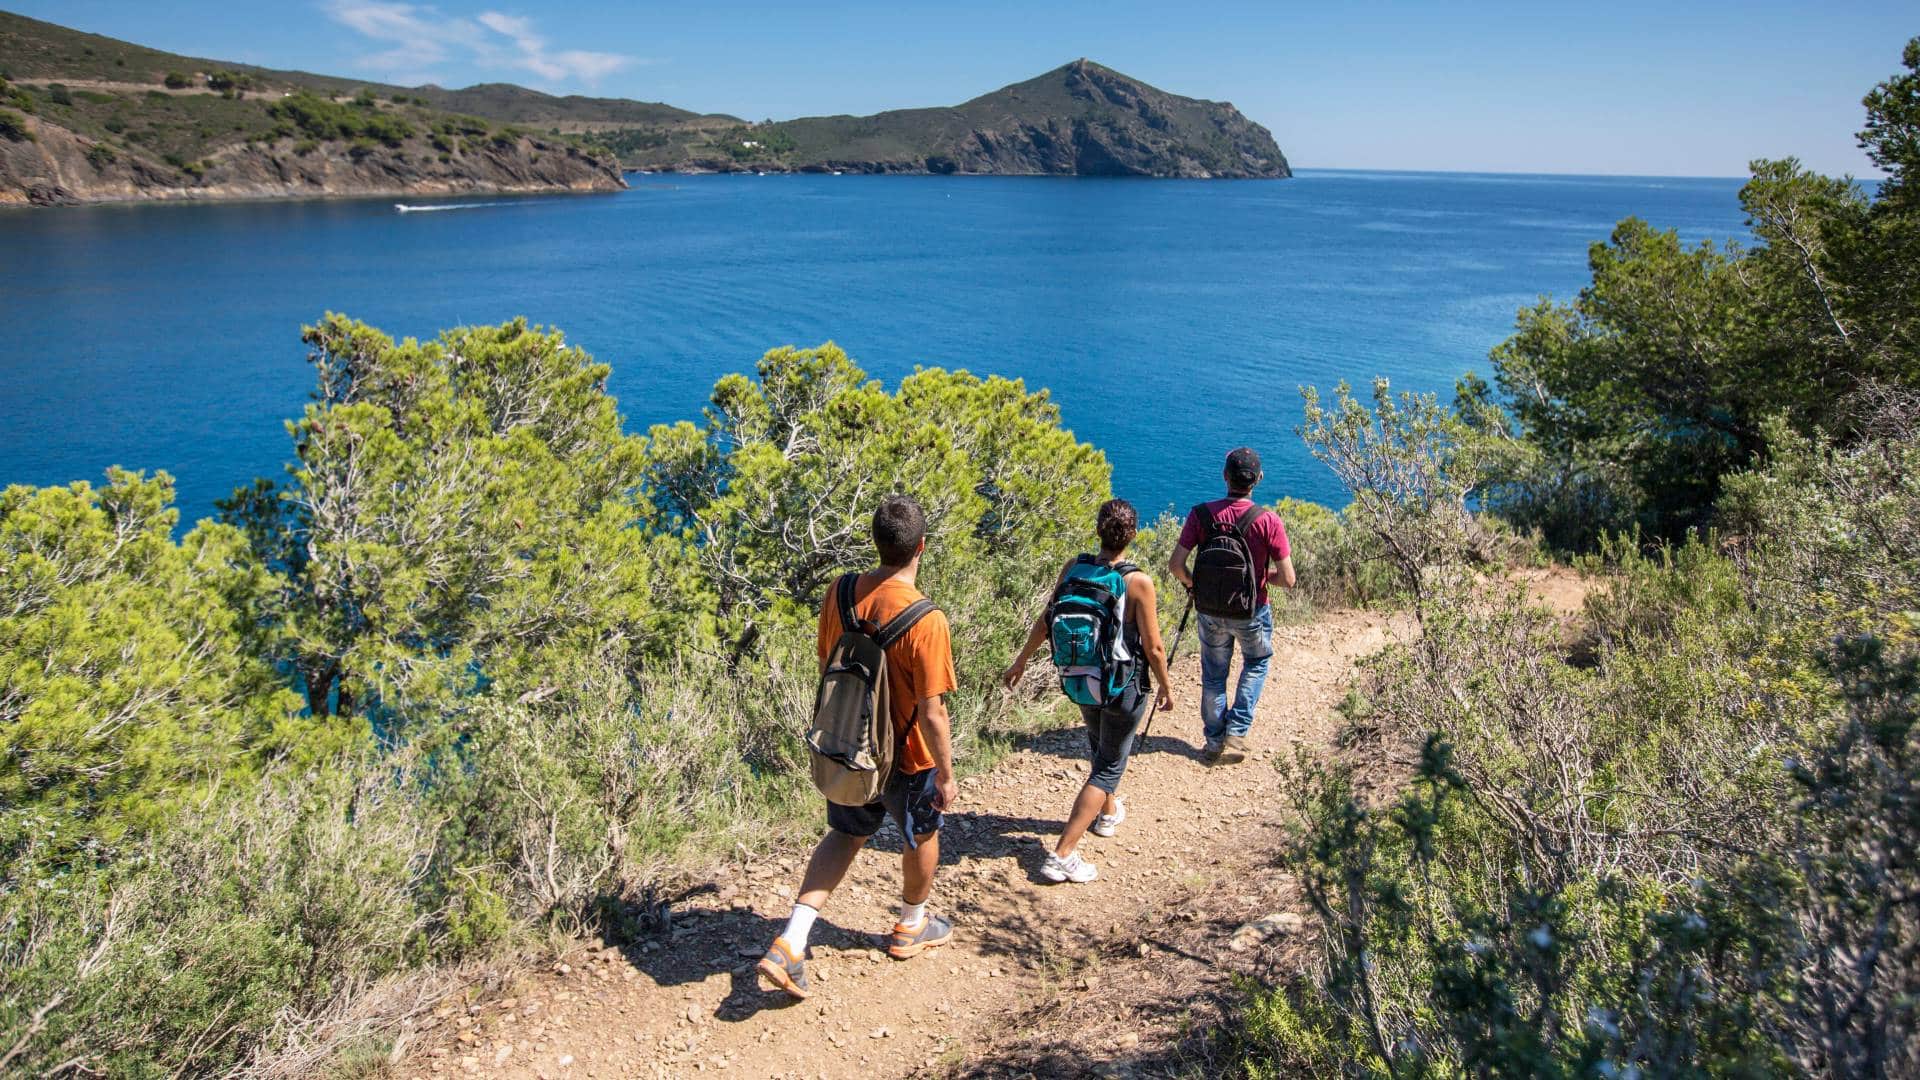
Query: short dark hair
[1243, 469]
[1116, 524]
[898, 527]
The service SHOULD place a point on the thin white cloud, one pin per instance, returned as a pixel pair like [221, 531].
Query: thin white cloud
[534, 56]
[418, 39]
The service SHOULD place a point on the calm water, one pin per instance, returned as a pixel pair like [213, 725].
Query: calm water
[1172, 320]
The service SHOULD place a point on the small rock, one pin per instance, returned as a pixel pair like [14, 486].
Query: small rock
[879, 1033]
[1278, 924]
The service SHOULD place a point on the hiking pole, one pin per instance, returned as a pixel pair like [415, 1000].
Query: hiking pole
[1172, 653]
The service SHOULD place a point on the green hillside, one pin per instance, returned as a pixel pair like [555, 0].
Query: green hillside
[85, 117]
[1081, 118]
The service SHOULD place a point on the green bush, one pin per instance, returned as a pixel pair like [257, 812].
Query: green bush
[581, 652]
[1632, 864]
[1630, 404]
[324, 120]
[100, 155]
[177, 81]
[13, 127]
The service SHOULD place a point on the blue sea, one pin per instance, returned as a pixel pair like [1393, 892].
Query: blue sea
[1171, 320]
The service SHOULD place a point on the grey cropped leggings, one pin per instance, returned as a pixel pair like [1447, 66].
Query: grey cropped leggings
[1110, 732]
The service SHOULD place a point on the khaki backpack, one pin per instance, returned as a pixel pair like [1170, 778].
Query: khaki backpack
[851, 740]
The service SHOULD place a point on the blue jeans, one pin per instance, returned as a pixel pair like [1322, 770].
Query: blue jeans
[1217, 637]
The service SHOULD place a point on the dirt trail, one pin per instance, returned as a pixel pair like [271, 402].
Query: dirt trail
[1040, 978]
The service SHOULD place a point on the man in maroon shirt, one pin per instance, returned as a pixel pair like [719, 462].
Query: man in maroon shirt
[1266, 539]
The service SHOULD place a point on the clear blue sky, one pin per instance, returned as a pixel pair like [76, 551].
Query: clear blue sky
[1679, 87]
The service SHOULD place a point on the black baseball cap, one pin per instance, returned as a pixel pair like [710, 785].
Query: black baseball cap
[1243, 467]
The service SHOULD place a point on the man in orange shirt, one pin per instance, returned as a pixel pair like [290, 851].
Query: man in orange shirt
[919, 671]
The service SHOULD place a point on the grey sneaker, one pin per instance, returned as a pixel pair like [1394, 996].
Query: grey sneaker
[1072, 868]
[784, 971]
[1108, 824]
[1233, 751]
[909, 942]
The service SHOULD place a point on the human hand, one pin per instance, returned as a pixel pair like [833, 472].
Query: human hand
[1011, 677]
[1164, 701]
[945, 792]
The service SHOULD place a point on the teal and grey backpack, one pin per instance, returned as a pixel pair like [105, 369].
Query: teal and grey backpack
[1087, 626]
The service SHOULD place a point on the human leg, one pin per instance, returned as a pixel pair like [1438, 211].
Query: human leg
[1216, 656]
[785, 967]
[828, 866]
[1256, 652]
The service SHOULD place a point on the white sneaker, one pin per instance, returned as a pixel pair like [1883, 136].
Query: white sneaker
[1108, 824]
[1072, 868]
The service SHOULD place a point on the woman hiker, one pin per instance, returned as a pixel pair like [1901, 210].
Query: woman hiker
[1112, 688]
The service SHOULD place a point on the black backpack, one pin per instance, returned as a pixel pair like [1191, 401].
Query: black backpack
[1226, 584]
[851, 740]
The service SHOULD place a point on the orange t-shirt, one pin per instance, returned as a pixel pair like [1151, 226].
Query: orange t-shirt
[919, 665]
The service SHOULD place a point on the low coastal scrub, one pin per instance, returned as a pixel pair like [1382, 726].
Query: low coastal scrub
[482, 663]
[316, 117]
[1681, 843]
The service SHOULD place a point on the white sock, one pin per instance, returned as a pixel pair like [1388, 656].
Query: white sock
[911, 914]
[799, 925]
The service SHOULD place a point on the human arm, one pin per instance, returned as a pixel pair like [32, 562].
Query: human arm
[1011, 677]
[1177, 566]
[1143, 601]
[1282, 573]
[1192, 531]
[1035, 635]
[1280, 570]
[931, 715]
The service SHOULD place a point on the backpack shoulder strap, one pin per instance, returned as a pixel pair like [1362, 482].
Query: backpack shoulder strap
[898, 626]
[844, 597]
[1249, 519]
[1125, 569]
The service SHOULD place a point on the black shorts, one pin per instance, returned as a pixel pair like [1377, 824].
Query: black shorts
[1110, 733]
[908, 799]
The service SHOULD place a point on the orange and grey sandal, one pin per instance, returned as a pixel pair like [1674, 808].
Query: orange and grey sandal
[784, 971]
[908, 943]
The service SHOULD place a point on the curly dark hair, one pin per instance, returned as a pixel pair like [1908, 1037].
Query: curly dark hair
[1116, 524]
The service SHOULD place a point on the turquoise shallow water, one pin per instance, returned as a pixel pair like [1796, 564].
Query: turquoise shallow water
[1172, 320]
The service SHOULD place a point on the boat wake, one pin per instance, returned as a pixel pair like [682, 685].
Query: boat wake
[405, 209]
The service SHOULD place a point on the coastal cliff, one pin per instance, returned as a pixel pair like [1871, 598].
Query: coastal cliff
[1081, 119]
[87, 118]
[55, 166]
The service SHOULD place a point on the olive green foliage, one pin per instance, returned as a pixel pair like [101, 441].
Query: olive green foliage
[224, 937]
[319, 118]
[776, 489]
[480, 662]
[457, 511]
[130, 681]
[13, 127]
[1628, 405]
[1687, 854]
